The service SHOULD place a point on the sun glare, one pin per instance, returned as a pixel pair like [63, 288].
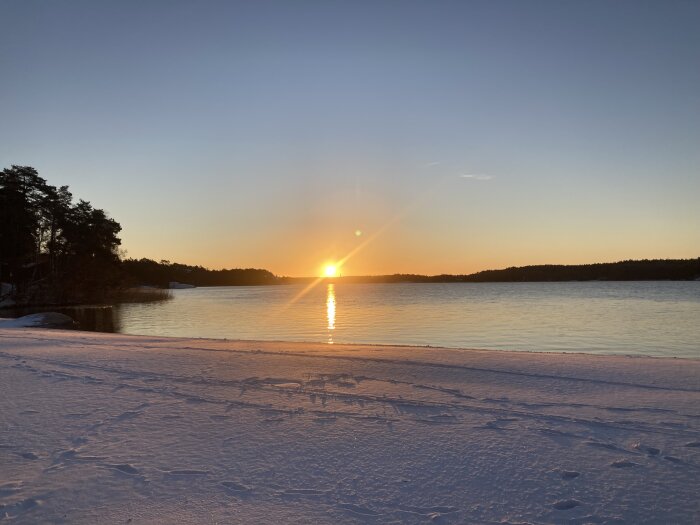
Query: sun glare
[330, 270]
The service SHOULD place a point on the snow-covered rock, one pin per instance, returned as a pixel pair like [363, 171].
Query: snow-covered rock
[40, 320]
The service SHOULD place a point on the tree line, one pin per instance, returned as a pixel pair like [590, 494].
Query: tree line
[641, 270]
[54, 250]
[147, 271]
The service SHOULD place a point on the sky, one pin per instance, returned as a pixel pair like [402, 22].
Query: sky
[422, 137]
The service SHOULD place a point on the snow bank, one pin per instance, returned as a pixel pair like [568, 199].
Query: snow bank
[103, 428]
[40, 320]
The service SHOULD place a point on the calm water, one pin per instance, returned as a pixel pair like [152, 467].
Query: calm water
[651, 318]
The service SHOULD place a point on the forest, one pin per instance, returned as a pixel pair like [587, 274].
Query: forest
[149, 272]
[641, 270]
[54, 250]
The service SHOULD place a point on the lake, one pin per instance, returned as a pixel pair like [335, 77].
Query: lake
[644, 318]
[660, 318]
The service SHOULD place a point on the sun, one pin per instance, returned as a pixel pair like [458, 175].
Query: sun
[330, 270]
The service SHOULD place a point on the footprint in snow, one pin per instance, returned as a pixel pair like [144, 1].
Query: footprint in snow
[438, 419]
[123, 467]
[7, 489]
[623, 464]
[596, 444]
[304, 492]
[652, 451]
[693, 444]
[433, 512]
[130, 414]
[67, 454]
[566, 504]
[235, 486]
[16, 509]
[357, 509]
[569, 474]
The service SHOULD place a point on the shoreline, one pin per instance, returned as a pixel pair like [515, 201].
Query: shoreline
[656, 319]
[103, 427]
[344, 344]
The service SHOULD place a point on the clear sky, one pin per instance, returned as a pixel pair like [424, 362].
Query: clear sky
[455, 136]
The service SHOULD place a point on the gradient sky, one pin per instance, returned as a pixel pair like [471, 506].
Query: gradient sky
[470, 135]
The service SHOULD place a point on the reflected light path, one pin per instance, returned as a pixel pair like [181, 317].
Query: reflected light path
[330, 311]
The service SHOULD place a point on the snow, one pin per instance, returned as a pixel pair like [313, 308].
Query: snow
[104, 428]
[44, 319]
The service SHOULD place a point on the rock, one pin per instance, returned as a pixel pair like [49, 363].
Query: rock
[41, 320]
[5, 292]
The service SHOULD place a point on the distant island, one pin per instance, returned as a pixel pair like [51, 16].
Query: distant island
[161, 274]
[643, 270]
[146, 271]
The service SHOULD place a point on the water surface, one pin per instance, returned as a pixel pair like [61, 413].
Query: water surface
[643, 318]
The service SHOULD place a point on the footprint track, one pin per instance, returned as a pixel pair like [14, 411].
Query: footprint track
[566, 504]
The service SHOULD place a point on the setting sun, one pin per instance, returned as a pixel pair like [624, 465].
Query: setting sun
[330, 270]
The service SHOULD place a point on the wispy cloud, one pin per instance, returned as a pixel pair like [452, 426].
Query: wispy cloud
[432, 164]
[476, 176]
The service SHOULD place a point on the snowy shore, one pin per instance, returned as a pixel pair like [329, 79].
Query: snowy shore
[103, 428]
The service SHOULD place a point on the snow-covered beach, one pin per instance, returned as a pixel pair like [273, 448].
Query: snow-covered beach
[103, 428]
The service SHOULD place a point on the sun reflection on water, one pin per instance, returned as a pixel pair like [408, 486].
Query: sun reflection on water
[330, 311]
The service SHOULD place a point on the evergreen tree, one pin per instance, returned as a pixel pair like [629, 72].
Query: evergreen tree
[52, 250]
